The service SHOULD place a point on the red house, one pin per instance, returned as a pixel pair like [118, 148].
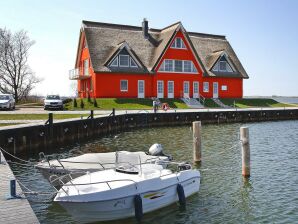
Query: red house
[121, 61]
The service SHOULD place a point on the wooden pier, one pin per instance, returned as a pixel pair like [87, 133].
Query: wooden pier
[13, 211]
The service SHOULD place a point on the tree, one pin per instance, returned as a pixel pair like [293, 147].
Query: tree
[16, 76]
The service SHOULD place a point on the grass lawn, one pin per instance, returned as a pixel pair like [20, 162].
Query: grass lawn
[245, 103]
[122, 104]
[38, 116]
[4, 124]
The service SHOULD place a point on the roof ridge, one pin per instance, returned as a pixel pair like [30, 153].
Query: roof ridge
[216, 36]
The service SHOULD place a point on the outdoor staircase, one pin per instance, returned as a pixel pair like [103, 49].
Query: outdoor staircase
[219, 103]
[192, 102]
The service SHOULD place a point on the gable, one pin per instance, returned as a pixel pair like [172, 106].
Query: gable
[179, 56]
[223, 65]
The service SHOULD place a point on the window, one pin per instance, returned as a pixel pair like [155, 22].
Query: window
[115, 62]
[186, 66]
[132, 63]
[224, 87]
[123, 85]
[178, 43]
[222, 65]
[159, 86]
[206, 87]
[86, 67]
[178, 66]
[123, 60]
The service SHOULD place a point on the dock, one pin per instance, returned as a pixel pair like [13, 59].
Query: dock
[13, 211]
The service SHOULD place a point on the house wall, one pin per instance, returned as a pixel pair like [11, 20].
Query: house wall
[107, 85]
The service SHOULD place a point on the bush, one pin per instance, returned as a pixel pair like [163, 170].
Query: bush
[82, 103]
[67, 100]
[75, 104]
[94, 102]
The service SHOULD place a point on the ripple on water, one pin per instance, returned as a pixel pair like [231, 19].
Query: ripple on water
[269, 196]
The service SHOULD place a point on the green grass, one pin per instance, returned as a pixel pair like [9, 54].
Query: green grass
[245, 103]
[38, 116]
[10, 124]
[123, 104]
[210, 103]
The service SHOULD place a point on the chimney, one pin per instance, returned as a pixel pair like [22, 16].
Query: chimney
[145, 28]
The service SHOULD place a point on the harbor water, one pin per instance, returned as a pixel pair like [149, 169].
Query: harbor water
[270, 195]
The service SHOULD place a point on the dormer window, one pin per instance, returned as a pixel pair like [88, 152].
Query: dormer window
[178, 43]
[222, 65]
[123, 61]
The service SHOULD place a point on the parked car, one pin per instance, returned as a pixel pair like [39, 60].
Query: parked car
[7, 102]
[53, 102]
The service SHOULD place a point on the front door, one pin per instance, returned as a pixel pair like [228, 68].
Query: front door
[170, 89]
[159, 89]
[195, 89]
[215, 90]
[186, 89]
[141, 88]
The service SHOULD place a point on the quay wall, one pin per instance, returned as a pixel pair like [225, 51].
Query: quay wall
[42, 138]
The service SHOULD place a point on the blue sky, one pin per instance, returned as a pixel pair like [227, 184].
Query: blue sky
[263, 33]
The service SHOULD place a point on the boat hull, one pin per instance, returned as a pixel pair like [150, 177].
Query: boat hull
[124, 207]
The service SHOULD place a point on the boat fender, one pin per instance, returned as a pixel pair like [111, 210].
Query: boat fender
[181, 195]
[156, 150]
[138, 207]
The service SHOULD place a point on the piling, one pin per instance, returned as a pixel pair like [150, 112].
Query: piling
[244, 137]
[197, 142]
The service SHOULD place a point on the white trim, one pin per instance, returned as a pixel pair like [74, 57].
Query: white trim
[131, 59]
[123, 55]
[111, 64]
[160, 95]
[195, 94]
[206, 91]
[121, 86]
[186, 94]
[141, 95]
[173, 93]
[215, 94]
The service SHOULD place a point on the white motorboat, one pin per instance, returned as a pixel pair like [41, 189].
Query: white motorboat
[77, 166]
[128, 190]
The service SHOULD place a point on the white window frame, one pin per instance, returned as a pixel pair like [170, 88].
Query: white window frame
[86, 67]
[124, 90]
[115, 59]
[224, 87]
[222, 70]
[130, 60]
[174, 44]
[206, 87]
[162, 67]
[123, 55]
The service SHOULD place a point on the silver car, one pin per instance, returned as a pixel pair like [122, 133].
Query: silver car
[7, 102]
[53, 102]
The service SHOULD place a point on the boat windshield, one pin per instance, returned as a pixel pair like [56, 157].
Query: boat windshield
[128, 163]
[4, 97]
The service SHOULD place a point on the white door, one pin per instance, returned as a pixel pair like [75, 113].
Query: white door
[186, 89]
[195, 89]
[170, 89]
[141, 88]
[215, 90]
[159, 89]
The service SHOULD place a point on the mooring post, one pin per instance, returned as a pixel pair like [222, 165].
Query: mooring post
[113, 112]
[51, 126]
[244, 138]
[91, 114]
[197, 143]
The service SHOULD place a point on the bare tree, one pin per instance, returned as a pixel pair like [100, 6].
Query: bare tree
[16, 77]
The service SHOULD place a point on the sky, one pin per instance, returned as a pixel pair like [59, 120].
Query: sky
[263, 33]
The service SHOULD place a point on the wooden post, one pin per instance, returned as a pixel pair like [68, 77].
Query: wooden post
[244, 137]
[197, 143]
[91, 114]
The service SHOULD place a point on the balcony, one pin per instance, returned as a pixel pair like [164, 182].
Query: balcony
[78, 74]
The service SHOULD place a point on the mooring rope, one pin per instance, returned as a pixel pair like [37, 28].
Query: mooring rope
[22, 160]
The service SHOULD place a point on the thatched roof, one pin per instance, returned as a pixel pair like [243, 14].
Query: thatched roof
[104, 39]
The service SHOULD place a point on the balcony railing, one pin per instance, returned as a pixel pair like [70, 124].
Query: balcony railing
[78, 74]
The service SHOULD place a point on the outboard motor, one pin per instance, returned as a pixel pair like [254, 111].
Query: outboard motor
[156, 150]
